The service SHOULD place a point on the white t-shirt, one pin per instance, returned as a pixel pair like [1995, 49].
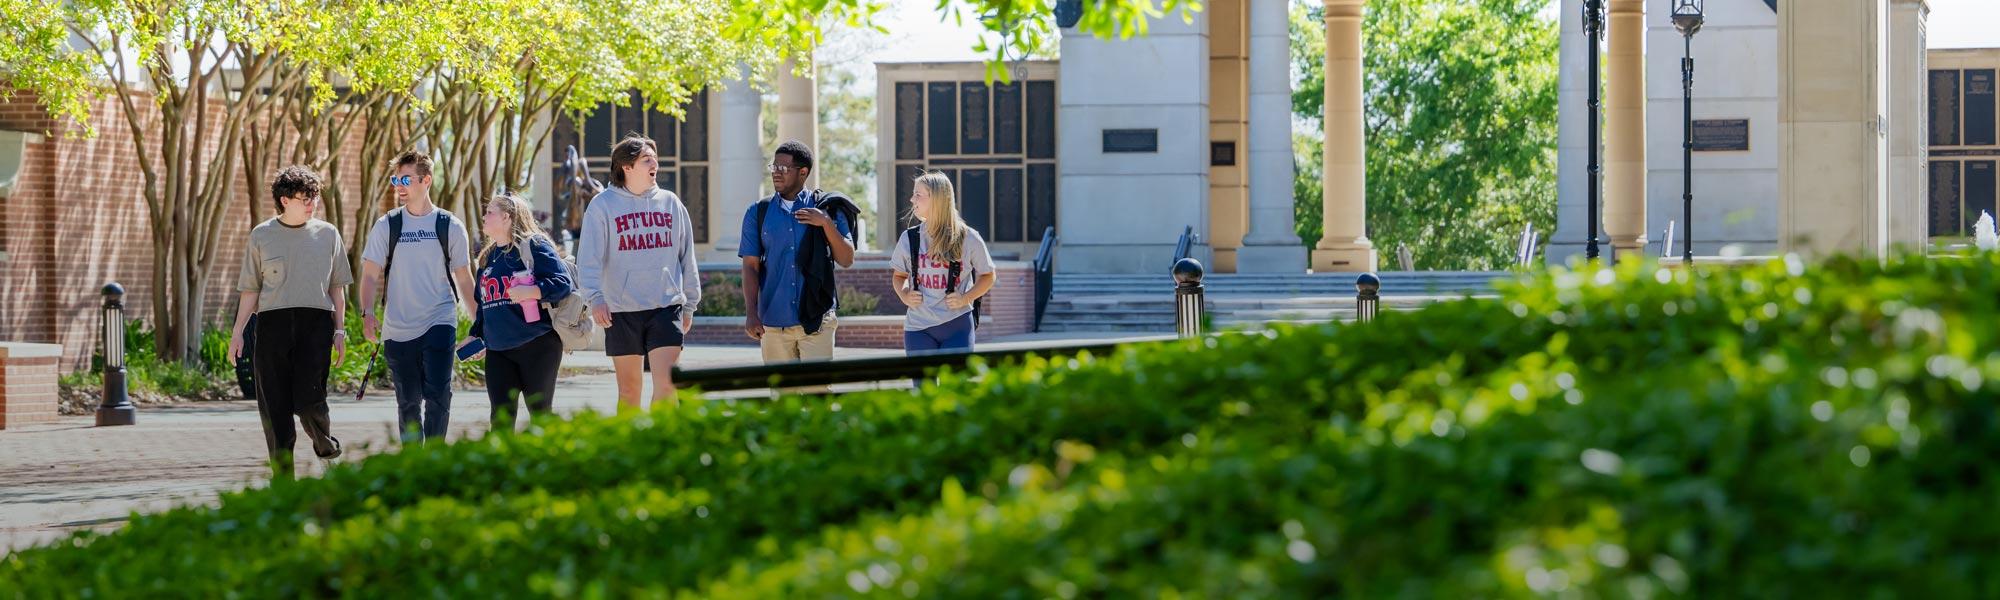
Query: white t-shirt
[419, 295]
[931, 276]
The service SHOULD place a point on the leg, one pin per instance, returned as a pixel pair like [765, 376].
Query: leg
[274, 395]
[406, 374]
[955, 335]
[780, 344]
[503, 382]
[664, 360]
[819, 345]
[312, 358]
[631, 381]
[440, 363]
[663, 347]
[918, 342]
[539, 369]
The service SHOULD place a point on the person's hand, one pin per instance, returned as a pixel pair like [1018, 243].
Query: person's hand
[753, 327]
[370, 328]
[687, 323]
[602, 315]
[910, 297]
[956, 301]
[468, 342]
[813, 216]
[236, 345]
[339, 347]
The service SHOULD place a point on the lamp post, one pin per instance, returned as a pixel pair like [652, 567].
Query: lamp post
[1593, 28]
[1687, 16]
[116, 408]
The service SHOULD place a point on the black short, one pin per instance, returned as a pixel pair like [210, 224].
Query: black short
[638, 333]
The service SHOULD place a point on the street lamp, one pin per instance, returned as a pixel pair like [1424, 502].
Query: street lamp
[1688, 19]
[1593, 27]
[116, 407]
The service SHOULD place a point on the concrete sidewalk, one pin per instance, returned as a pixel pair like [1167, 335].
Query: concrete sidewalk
[62, 477]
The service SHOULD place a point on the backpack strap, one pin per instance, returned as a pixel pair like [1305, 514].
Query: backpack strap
[444, 249]
[915, 240]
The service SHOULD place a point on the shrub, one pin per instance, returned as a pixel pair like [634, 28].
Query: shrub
[1771, 431]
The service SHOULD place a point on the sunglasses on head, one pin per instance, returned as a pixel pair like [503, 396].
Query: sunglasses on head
[400, 180]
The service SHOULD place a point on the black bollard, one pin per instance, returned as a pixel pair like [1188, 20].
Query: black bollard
[1188, 303]
[1367, 296]
[116, 408]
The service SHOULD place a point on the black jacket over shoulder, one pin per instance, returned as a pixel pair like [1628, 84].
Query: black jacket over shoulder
[816, 261]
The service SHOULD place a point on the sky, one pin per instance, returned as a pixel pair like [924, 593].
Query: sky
[916, 34]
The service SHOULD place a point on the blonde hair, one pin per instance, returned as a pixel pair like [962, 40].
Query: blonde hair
[943, 226]
[521, 225]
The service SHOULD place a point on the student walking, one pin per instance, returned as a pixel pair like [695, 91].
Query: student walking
[791, 244]
[636, 267]
[941, 268]
[421, 305]
[293, 278]
[520, 272]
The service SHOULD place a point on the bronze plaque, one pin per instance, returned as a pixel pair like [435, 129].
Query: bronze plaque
[1944, 198]
[1131, 141]
[1944, 107]
[909, 121]
[1979, 107]
[1007, 125]
[1721, 135]
[976, 137]
[1041, 119]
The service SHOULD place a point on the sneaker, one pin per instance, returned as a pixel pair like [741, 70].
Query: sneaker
[332, 454]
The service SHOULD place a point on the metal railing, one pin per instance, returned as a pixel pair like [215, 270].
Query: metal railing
[1045, 274]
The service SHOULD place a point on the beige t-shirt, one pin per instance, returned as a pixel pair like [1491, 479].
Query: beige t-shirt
[293, 267]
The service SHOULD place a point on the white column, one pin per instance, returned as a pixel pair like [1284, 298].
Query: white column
[1625, 128]
[739, 163]
[1272, 244]
[1344, 245]
[1572, 135]
[1909, 127]
[1832, 142]
[798, 111]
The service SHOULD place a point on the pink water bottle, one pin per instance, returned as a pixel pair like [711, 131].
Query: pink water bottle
[530, 311]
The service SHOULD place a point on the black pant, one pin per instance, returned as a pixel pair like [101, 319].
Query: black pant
[528, 372]
[294, 350]
[422, 370]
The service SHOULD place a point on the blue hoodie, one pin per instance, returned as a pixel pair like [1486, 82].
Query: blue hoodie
[500, 320]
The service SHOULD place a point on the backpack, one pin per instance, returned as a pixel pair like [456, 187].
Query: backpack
[570, 316]
[915, 239]
[444, 242]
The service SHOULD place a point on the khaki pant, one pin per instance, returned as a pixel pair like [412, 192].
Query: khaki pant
[787, 344]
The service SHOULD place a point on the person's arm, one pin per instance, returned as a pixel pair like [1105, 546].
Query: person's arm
[551, 279]
[461, 253]
[246, 305]
[690, 267]
[339, 294]
[465, 288]
[836, 231]
[592, 250]
[372, 257]
[371, 284]
[899, 274]
[984, 285]
[750, 247]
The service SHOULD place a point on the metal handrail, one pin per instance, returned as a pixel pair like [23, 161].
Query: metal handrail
[866, 370]
[1045, 275]
[1185, 245]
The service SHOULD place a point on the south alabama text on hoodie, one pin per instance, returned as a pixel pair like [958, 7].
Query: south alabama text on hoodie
[637, 252]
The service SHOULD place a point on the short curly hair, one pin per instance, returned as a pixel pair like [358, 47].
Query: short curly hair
[292, 181]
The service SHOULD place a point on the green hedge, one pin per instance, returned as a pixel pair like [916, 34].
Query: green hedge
[1772, 431]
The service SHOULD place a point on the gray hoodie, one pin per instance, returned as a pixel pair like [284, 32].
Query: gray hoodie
[637, 252]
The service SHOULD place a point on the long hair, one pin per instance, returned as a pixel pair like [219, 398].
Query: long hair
[521, 225]
[943, 225]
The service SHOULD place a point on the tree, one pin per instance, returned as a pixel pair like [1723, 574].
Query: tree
[239, 83]
[1460, 113]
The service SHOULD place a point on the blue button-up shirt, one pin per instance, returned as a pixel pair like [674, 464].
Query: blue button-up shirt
[778, 243]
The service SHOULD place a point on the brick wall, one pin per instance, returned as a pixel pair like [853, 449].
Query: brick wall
[79, 219]
[27, 383]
